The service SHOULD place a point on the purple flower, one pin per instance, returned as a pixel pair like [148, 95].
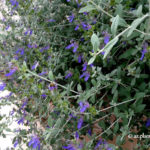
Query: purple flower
[20, 121]
[106, 37]
[7, 27]
[103, 53]
[80, 122]
[20, 51]
[100, 142]
[16, 143]
[12, 112]
[68, 0]
[44, 48]
[69, 75]
[144, 50]
[43, 95]
[86, 75]
[85, 26]
[79, 58]
[70, 46]
[11, 72]
[71, 18]
[90, 132]
[85, 66]
[77, 27]
[52, 86]
[69, 147]
[74, 45]
[24, 104]
[35, 65]
[85, 13]
[2, 86]
[51, 20]
[35, 142]
[83, 106]
[14, 2]
[28, 31]
[30, 46]
[43, 73]
[148, 123]
[77, 135]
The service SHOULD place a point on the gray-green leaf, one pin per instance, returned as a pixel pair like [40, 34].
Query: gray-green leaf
[109, 46]
[95, 42]
[87, 8]
[135, 23]
[91, 60]
[115, 24]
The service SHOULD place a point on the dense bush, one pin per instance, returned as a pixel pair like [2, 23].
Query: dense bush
[75, 64]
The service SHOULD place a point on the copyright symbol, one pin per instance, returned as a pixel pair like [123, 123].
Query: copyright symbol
[130, 136]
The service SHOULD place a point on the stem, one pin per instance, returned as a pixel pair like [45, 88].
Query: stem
[50, 81]
[107, 128]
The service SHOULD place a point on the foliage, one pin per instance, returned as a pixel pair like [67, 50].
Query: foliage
[73, 64]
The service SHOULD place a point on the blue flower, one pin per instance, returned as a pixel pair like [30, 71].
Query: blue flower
[68, 0]
[83, 106]
[11, 72]
[80, 122]
[35, 65]
[70, 46]
[144, 50]
[71, 18]
[77, 27]
[2, 86]
[85, 26]
[74, 45]
[28, 31]
[90, 132]
[52, 86]
[69, 147]
[21, 120]
[69, 75]
[43, 73]
[77, 135]
[148, 123]
[35, 142]
[16, 143]
[24, 104]
[86, 75]
[20, 51]
[44, 48]
[7, 27]
[14, 2]
[51, 20]
[43, 95]
[85, 66]
[79, 58]
[106, 37]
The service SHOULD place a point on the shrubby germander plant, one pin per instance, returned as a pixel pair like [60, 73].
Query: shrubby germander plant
[75, 64]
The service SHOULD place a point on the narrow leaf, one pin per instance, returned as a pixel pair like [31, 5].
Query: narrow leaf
[91, 60]
[87, 8]
[109, 46]
[115, 24]
[135, 23]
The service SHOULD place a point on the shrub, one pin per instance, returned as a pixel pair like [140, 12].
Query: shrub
[77, 64]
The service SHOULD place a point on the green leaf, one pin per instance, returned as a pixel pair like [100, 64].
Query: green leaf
[139, 10]
[115, 23]
[50, 75]
[139, 95]
[135, 23]
[109, 46]
[87, 8]
[91, 60]
[79, 88]
[140, 108]
[95, 42]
